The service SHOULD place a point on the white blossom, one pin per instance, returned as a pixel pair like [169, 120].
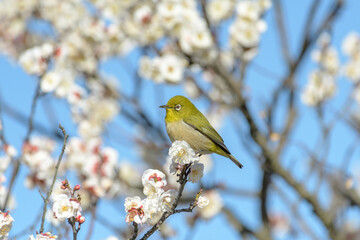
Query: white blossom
[351, 47]
[153, 181]
[152, 210]
[328, 58]
[351, 44]
[352, 70]
[219, 9]
[167, 199]
[143, 14]
[10, 150]
[201, 39]
[35, 60]
[196, 172]
[32, 62]
[50, 81]
[180, 152]
[213, 207]
[5, 224]
[65, 207]
[321, 86]
[135, 209]
[42, 236]
[171, 68]
[248, 9]
[202, 202]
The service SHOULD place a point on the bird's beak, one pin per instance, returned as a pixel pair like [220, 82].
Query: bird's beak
[164, 106]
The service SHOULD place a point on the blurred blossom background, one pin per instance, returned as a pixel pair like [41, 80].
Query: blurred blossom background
[279, 80]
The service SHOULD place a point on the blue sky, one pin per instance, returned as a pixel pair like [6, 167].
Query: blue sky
[17, 89]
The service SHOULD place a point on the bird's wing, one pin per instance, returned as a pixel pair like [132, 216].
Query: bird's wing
[203, 126]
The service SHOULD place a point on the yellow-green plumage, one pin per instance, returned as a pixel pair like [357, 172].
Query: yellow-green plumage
[184, 122]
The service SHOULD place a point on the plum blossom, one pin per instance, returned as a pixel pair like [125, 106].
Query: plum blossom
[180, 152]
[5, 224]
[351, 44]
[319, 88]
[50, 81]
[153, 182]
[158, 201]
[326, 56]
[248, 9]
[321, 85]
[135, 209]
[246, 29]
[35, 60]
[196, 172]
[167, 199]
[351, 48]
[169, 68]
[202, 202]
[213, 207]
[219, 9]
[42, 236]
[10, 150]
[95, 164]
[61, 81]
[38, 157]
[65, 207]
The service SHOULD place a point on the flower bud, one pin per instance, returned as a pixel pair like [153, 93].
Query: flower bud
[81, 219]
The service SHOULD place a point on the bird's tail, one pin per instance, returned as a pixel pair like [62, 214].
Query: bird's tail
[232, 158]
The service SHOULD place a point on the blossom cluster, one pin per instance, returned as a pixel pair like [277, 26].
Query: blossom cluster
[181, 154]
[67, 205]
[157, 200]
[321, 84]
[169, 68]
[35, 60]
[37, 155]
[95, 165]
[246, 30]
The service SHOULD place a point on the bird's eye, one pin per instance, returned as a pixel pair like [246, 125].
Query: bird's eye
[178, 107]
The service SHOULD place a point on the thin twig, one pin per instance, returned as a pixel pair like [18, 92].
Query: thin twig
[46, 200]
[282, 31]
[136, 231]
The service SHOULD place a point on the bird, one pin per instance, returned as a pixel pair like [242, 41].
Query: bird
[184, 122]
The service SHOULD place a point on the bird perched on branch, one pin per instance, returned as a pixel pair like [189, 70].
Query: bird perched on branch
[184, 122]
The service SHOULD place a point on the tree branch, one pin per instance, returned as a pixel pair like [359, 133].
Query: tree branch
[46, 200]
[182, 180]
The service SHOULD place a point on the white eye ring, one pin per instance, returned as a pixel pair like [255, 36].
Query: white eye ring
[178, 107]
